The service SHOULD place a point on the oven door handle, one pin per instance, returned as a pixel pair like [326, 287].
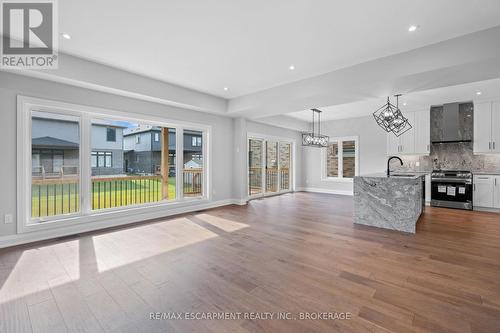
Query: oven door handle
[451, 180]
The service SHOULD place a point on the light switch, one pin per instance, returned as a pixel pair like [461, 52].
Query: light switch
[8, 218]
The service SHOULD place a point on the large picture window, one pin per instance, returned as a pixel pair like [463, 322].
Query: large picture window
[78, 163]
[132, 173]
[340, 158]
[55, 164]
[193, 164]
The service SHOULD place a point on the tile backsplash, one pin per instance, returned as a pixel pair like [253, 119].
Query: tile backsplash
[451, 156]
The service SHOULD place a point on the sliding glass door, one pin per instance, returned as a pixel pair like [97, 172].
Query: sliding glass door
[255, 159]
[269, 167]
[285, 163]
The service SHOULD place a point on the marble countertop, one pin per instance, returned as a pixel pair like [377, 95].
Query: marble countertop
[493, 173]
[395, 175]
[389, 202]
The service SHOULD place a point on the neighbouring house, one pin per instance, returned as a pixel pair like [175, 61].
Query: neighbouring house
[142, 146]
[193, 164]
[107, 148]
[55, 147]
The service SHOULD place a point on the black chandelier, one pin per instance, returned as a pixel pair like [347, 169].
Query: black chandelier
[391, 119]
[314, 139]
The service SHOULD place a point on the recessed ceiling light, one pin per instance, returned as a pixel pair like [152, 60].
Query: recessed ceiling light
[66, 36]
[226, 88]
[292, 67]
[412, 28]
[404, 104]
[478, 93]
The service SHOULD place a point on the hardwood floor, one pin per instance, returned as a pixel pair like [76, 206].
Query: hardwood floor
[296, 253]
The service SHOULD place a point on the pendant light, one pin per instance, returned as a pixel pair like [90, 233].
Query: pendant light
[314, 139]
[391, 119]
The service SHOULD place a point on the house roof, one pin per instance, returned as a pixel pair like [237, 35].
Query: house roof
[149, 128]
[50, 142]
[107, 123]
[140, 129]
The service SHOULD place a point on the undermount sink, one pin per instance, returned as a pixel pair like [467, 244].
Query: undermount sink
[403, 175]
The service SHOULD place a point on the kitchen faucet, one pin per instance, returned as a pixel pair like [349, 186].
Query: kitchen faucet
[389, 161]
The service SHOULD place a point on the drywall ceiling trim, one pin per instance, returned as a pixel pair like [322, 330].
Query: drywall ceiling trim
[469, 58]
[87, 74]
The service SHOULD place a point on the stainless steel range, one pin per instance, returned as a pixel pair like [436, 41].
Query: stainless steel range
[452, 189]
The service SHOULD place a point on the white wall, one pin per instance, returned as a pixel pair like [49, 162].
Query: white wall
[12, 85]
[228, 159]
[242, 128]
[372, 152]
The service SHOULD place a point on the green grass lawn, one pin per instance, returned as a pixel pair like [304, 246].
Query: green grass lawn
[49, 200]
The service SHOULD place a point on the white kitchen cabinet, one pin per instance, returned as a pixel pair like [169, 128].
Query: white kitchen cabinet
[496, 192]
[414, 141]
[483, 191]
[423, 132]
[495, 127]
[487, 127]
[407, 139]
[428, 188]
[482, 127]
[392, 144]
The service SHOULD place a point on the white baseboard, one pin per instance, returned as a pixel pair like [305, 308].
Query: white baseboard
[324, 190]
[46, 234]
[487, 209]
[238, 202]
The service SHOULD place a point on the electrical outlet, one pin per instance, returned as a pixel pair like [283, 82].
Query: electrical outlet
[417, 163]
[8, 218]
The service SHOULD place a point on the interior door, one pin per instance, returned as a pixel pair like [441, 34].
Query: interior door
[482, 127]
[255, 166]
[495, 127]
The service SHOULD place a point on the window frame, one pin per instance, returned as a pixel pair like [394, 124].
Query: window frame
[324, 159]
[99, 153]
[85, 218]
[196, 141]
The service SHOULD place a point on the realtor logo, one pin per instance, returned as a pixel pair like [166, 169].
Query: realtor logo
[29, 34]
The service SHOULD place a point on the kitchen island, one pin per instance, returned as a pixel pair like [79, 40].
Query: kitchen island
[391, 202]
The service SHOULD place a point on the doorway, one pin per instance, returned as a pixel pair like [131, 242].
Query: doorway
[269, 166]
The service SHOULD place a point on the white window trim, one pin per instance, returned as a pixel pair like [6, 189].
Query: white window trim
[27, 104]
[340, 178]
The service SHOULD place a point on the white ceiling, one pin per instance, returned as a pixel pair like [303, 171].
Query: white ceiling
[490, 90]
[249, 45]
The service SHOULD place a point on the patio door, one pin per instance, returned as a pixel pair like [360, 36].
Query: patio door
[272, 179]
[255, 166]
[269, 167]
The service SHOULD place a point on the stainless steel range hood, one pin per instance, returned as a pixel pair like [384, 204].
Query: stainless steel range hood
[452, 123]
